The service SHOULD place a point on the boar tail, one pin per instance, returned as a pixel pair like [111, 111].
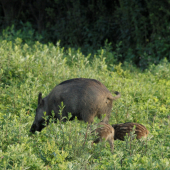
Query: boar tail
[115, 97]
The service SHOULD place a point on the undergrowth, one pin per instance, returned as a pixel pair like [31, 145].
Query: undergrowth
[26, 70]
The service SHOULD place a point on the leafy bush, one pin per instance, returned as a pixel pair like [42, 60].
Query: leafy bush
[141, 27]
[26, 70]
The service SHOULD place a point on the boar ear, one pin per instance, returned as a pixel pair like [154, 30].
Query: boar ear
[40, 98]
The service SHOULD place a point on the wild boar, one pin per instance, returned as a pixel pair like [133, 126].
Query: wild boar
[82, 97]
[106, 132]
[123, 128]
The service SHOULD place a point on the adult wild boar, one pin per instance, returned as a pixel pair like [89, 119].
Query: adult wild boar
[84, 98]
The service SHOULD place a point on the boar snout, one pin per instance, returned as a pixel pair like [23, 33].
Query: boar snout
[33, 128]
[36, 127]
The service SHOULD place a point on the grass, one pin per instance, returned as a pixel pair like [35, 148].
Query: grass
[26, 70]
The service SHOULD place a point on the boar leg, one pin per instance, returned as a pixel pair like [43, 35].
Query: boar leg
[88, 116]
[111, 142]
[106, 119]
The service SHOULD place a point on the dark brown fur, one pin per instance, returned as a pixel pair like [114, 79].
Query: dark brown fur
[123, 128]
[84, 98]
[106, 132]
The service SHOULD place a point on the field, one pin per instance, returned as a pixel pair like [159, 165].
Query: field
[27, 70]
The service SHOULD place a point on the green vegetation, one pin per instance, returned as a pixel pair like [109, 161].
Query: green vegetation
[25, 70]
[140, 28]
